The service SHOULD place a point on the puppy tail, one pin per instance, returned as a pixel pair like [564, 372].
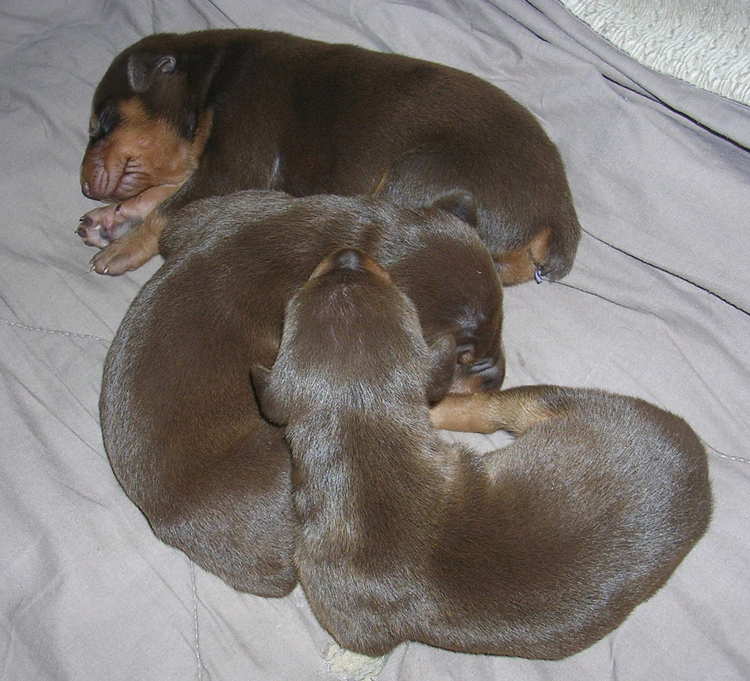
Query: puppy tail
[513, 410]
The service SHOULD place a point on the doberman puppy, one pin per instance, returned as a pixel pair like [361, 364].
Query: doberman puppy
[194, 115]
[180, 423]
[535, 550]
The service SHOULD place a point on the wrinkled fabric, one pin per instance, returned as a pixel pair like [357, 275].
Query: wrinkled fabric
[656, 306]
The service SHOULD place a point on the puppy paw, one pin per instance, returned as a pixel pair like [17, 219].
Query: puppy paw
[554, 250]
[547, 257]
[103, 225]
[554, 266]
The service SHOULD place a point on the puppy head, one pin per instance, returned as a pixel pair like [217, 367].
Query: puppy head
[454, 285]
[148, 122]
[352, 338]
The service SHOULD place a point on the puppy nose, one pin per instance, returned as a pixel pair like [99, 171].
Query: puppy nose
[489, 372]
[481, 365]
[491, 379]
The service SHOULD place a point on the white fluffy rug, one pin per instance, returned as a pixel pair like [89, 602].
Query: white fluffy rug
[704, 42]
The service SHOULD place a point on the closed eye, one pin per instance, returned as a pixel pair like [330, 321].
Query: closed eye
[102, 124]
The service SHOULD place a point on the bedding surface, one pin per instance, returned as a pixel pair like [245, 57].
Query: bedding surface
[656, 306]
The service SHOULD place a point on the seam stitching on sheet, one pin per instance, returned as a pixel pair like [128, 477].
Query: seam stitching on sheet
[660, 268]
[53, 332]
[713, 450]
[199, 661]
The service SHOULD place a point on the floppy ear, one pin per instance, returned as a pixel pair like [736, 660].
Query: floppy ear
[461, 203]
[144, 66]
[270, 408]
[442, 367]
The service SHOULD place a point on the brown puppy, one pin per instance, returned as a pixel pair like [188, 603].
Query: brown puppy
[535, 550]
[180, 424]
[214, 112]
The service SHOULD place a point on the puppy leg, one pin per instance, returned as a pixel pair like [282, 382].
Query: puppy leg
[513, 410]
[101, 226]
[128, 232]
[132, 249]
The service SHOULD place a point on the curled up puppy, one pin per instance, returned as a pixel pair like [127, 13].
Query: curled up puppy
[180, 425]
[181, 117]
[535, 550]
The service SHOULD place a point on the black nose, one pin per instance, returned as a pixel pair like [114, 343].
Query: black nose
[491, 372]
[492, 379]
[481, 365]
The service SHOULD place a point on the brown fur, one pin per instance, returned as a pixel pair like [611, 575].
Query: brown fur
[214, 112]
[179, 421]
[535, 550]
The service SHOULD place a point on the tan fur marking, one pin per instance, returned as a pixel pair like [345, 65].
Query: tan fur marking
[166, 157]
[328, 263]
[489, 412]
[519, 265]
[149, 146]
[464, 413]
[371, 266]
[141, 205]
[539, 246]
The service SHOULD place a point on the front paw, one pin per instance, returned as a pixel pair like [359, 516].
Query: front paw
[103, 225]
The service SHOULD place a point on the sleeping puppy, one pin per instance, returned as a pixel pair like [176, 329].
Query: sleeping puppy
[179, 420]
[536, 550]
[214, 112]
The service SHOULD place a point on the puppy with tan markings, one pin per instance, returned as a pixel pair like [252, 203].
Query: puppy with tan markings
[536, 550]
[180, 424]
[182, 117]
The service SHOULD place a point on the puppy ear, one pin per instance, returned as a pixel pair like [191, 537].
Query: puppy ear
[270, 407]
[143, 67]
[442, 367]
[461, 203]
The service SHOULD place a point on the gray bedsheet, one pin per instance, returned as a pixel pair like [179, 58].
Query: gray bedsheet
[656, 306]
